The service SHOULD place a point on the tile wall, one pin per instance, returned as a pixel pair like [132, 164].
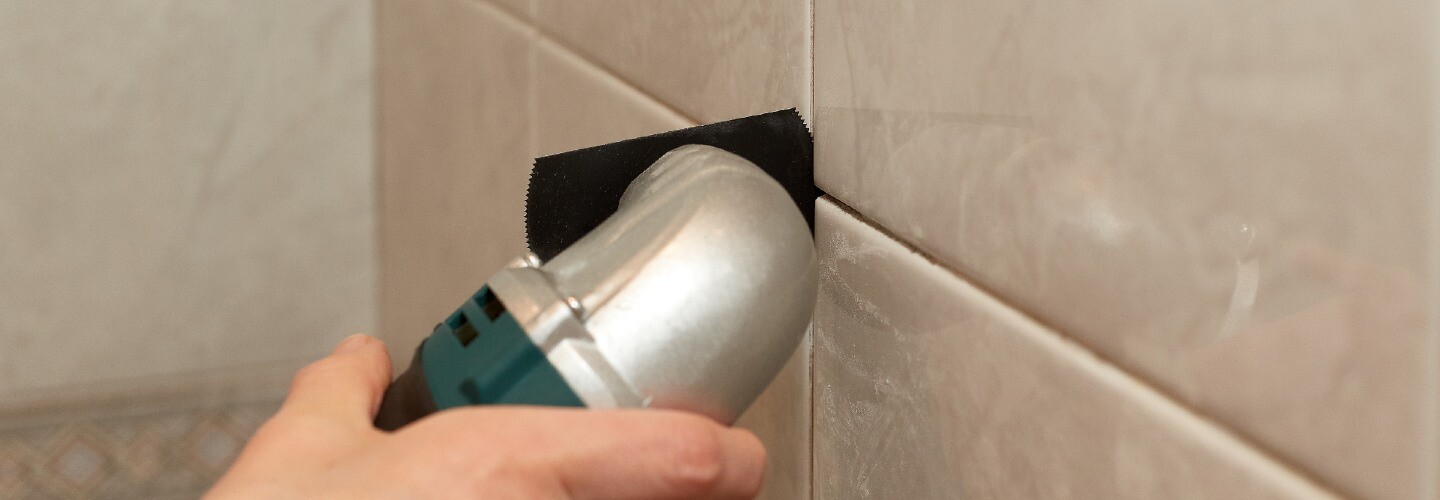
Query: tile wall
[1117, 249]
[186, 216]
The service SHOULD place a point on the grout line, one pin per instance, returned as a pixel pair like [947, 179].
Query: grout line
[810, 424]
[542, 36]
[1431, 433]
[1223, 430]
[615, 86]
[814, 127]
[1432, 405]
[377, 169]
[532, 98]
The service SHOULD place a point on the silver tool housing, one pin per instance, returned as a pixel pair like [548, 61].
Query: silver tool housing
[691, 296]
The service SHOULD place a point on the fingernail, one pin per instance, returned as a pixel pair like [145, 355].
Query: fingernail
[352, 343]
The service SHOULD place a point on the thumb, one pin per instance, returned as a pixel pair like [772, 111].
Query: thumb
[346, 385]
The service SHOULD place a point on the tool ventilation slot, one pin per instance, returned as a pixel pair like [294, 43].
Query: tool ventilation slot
[460, 323]
[463, 330]
[490, 305]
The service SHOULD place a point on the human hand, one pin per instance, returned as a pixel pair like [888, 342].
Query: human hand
[322, 444]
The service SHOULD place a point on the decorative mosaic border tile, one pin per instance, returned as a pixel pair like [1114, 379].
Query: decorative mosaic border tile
[175, 451]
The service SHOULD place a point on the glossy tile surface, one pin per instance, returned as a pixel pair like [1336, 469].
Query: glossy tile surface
[455, 156]
[186, 189]
[711, 60]
[1230, 199]
[579, 105]
[927, 387]
[781, 419]
[518, 8]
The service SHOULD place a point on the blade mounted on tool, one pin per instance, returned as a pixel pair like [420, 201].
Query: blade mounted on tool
[572, 193]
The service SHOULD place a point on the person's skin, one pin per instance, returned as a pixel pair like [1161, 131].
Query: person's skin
[322, 444]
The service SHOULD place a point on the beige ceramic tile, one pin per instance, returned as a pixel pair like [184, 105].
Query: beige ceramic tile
[454, 157]
[579, 105]
[927, 387]
[519, 8]
[781, 419]
[185, 188]
[1228, 198]
[712, 60]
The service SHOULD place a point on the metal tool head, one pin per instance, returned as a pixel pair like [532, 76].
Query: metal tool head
[571, 193]
[691, 296]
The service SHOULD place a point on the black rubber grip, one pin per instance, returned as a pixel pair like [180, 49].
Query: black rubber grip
[408, 398]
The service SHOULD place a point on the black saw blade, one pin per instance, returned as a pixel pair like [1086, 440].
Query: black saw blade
[572, 193]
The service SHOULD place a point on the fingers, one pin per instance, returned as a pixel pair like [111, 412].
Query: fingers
[345, 385]
[656, 455]
[629, 454]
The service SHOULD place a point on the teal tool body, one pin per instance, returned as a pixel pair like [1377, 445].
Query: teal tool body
[481, 355]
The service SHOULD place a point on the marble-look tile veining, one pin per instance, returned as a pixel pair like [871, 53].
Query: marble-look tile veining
[184, 188]
[927, 387]
[1226, 198]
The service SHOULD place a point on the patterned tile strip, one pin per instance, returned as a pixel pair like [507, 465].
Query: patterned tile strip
[172, 452]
